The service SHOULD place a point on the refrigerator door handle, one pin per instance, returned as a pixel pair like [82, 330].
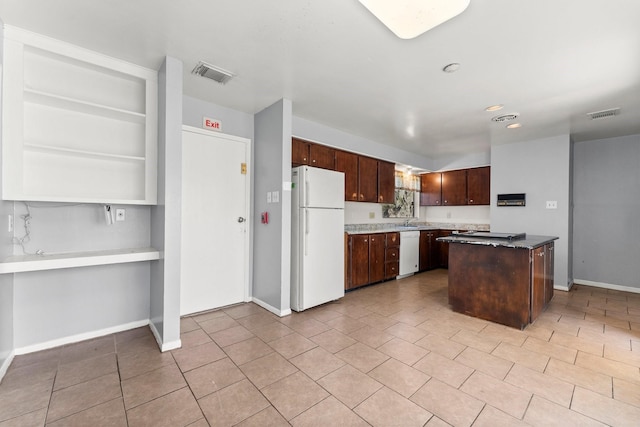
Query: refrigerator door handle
[306, 193]
[306, 231]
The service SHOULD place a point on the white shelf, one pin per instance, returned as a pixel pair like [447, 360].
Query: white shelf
[26, 263]
[77, 126]
[72, 104]
[80, 153]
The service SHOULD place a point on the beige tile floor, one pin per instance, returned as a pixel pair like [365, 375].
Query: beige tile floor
[391, 354]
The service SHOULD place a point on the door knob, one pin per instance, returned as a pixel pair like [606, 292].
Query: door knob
[240, 219]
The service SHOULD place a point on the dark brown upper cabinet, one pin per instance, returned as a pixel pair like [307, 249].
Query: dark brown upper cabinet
[454, 188]
[386, 182]
[348, 164]
[479, 186]
[431, 189]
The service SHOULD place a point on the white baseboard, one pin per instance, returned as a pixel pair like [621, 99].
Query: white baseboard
[80, 337]
[7, 362]
[607, 286]
[271, 308]
[172, 345]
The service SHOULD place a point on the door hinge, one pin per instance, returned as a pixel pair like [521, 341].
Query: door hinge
[243, 168]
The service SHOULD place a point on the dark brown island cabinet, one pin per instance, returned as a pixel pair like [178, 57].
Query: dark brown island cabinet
[501, 279]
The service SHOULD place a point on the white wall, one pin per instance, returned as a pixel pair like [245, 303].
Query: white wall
[541, 169]
[272, 242]
[166, 217]
[59, 306]
[316, 132]
[234, 122]
[6, 280]
[456, 214]
[606, 211]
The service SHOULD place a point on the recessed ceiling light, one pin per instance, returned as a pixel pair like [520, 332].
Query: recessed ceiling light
[494, 107]
[451, 68]
[514, 126]
[408, 19]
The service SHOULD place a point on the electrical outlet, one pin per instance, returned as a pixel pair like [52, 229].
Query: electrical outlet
[119, 214]
[268, 196]
[448, 214]
[275, 197]
[10, 223]
[372, 215]
[552, 204]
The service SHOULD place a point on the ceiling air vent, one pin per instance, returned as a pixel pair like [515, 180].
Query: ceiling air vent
[505, 117]
[604, 114]
[212, 72]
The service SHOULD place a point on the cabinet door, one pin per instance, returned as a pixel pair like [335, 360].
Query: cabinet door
[479, 186]
[321, 156]
[548, 272]
[537, 282]
[367, 179]
[454, 188]
[429, 256]
[376, 257]
[348, 164]
[431, 189]
[443, 249]
[299, 152]
[386, 182]
[425, 250]
[359, 260]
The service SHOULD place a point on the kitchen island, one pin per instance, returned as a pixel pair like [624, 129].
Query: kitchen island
[502, 277]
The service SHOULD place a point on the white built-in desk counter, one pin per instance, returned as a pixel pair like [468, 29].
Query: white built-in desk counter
[26, 263]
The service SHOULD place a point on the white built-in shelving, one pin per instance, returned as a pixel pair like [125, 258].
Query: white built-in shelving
[78, 126]
[27, 263]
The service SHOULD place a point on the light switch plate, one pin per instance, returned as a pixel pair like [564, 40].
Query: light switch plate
[268, 196]
[275, 198]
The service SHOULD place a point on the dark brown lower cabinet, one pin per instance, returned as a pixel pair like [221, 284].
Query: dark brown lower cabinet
[376, 257]
[370, 259]
[429, 250]
[443, 249]
[511, 286]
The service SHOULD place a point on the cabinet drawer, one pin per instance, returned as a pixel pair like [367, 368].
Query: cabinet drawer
[391, 269]
[392, 255]
[393, 239]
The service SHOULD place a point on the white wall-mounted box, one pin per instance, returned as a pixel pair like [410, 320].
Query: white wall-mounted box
[78, 126]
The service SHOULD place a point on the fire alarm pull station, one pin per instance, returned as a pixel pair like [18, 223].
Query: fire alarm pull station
[264, 217]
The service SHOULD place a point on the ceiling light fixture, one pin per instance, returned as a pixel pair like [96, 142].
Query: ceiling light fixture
[494, 107]
[408, 19]
[514, 126]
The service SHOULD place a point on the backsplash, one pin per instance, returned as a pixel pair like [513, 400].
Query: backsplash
[392, 226]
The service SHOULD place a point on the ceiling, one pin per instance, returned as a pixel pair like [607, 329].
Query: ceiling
[550, 61]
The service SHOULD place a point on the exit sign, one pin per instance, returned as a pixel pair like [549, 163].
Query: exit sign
[211, 124]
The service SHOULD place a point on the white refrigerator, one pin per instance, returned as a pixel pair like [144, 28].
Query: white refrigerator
[317, 237]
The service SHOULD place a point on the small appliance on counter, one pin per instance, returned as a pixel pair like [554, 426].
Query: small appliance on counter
[317, 237]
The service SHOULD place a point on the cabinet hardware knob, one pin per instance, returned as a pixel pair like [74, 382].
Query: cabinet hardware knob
[314, 160]
[471, 201]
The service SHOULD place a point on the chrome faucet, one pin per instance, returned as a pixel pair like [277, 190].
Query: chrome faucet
[407, 221]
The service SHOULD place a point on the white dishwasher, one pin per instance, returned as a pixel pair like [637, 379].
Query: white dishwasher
[409, 252]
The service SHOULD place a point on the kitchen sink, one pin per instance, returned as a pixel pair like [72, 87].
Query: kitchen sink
[407, 227]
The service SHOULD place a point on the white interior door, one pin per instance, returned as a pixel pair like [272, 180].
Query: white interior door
[215, 226]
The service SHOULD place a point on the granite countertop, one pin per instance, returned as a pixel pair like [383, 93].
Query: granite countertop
[522, 241]
[414, 226]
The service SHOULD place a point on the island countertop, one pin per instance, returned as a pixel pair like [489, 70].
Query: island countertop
[509, 240]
